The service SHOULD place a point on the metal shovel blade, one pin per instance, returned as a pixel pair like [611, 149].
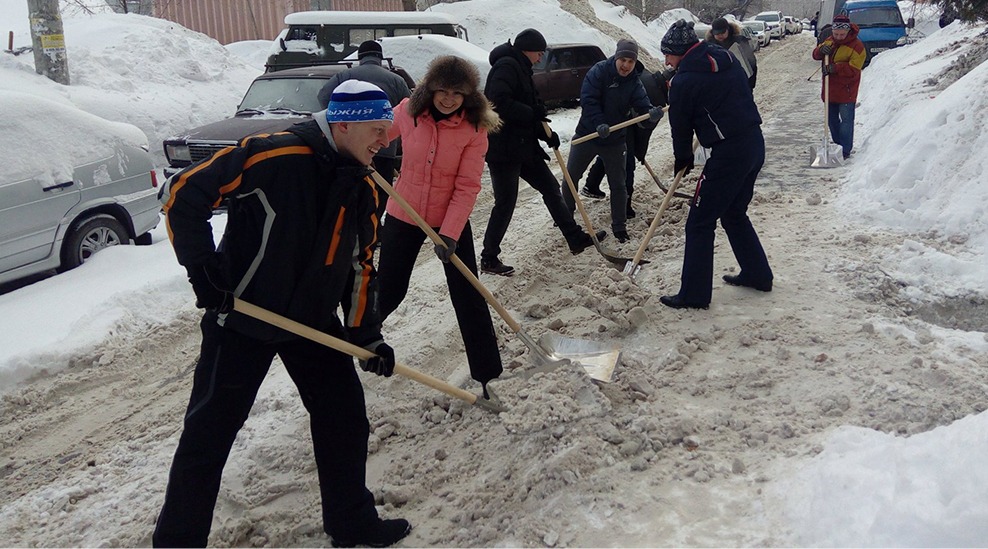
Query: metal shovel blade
[827, 155]
[597, 359]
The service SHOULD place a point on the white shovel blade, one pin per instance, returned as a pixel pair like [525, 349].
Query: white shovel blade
[830, 155]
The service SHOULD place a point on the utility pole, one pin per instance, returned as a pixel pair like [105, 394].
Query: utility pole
[50, 58]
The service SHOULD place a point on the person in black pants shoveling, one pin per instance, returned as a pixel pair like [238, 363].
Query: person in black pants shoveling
[656, 86]
[610, 90]
[515, 151]
[299, 240]
[710, 96]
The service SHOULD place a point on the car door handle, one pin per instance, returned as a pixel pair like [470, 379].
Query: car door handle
[575, 72]
[57, 186]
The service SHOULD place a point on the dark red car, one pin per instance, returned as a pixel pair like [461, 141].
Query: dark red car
[559, 75]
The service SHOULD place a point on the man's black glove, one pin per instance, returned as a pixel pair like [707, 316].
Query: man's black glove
[603, 131]
[826, 49]
[539, 111]
[383, 364]
[445, 253]
[655, 114]
[211, 287]
[686, 163]
[829, 69]
[553, 141]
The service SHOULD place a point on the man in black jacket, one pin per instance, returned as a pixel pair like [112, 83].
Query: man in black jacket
[710, 97]
[514, 151]
[302, 223]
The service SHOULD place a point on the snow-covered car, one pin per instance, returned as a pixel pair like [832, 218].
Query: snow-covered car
[70, 186]
[759, 30]
[274, 102]
[773, 20]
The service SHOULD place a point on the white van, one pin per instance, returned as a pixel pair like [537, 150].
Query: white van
[321, 37]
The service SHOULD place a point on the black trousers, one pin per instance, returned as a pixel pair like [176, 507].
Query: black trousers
[400, 245]
[504, 180]
[228, 375]
[724, 191]
[596, 174]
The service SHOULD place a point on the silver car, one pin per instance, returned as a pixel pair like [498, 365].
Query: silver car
[74, 184]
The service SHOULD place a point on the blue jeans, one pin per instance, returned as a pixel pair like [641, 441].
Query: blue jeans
[841, 120]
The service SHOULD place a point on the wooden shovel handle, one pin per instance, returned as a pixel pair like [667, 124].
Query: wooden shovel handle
[515, 327]
[572, 188]
[312, 334]
[616, 127]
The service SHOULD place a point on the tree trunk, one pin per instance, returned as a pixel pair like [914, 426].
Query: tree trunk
[50, 58]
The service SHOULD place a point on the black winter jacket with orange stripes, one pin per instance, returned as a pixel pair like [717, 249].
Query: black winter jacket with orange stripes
[300, 232]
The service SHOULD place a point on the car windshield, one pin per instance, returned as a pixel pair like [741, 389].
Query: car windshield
[755, 25]
[767, 17]
[877, 17]
[295, 94]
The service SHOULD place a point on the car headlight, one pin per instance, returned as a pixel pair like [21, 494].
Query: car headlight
[178, 152]
[902, 41]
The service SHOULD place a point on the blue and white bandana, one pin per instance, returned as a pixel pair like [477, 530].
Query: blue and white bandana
[358, 101]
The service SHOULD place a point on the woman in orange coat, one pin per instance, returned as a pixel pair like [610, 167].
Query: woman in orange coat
[443, 128]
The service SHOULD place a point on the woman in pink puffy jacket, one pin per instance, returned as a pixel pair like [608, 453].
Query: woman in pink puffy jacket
[443, 128]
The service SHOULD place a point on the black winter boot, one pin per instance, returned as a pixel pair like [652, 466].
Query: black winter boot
[383, 533]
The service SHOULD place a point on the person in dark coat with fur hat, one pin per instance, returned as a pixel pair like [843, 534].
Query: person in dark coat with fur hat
[728, 35]
[709, 97]
[444, 127]
[610, 90]
[515, 151]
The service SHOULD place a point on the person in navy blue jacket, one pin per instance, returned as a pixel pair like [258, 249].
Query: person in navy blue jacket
[610, 90]
[710, 97]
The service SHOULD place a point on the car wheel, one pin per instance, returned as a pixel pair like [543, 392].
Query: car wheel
[92, 235]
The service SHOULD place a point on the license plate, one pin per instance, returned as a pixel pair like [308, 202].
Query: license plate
[876, 50]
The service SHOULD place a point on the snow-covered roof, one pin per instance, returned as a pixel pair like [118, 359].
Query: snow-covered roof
[367, 18]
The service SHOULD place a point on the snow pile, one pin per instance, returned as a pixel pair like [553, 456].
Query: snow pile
[919, 161]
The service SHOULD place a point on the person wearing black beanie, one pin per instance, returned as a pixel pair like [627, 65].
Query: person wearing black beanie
[710, 98]
[515, 152]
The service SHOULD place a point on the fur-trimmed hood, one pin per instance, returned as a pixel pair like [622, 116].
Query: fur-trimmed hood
[455, 73]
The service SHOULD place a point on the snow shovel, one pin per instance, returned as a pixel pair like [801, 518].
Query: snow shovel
[597, 359]
[633, 266]
[658, 182]
[608, 254]
[289, 325]
[828, 155]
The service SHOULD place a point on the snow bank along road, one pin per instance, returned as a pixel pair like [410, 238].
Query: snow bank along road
[705, 409]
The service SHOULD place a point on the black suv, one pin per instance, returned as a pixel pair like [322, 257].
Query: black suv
[559, 74]
[274, 102]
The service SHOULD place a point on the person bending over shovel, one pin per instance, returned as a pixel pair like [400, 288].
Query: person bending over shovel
[515, 151]
[443, 128]
[299, 237]
[710, 96]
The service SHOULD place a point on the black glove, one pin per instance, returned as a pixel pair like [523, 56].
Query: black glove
[684, 163]
[211, 287]
[445, 253]
[553, 141]
[826, 49]
[603, 131]
[539, 112]
[655, 114]
[383, 364]
[829, 69]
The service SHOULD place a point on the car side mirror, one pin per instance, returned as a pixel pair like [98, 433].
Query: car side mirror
[281, 41]
[911, 23]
